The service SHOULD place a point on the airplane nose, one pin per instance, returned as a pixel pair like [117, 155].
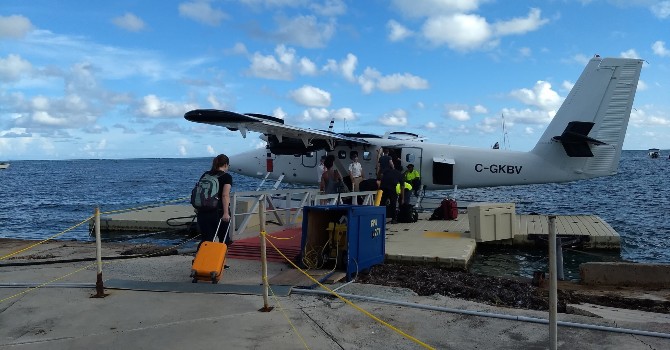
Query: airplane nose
[247, 163]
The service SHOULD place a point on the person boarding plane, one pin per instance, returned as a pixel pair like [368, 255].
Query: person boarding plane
[583, 141]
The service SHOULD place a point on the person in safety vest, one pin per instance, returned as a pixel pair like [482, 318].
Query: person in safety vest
[404, 197]
[412, 176]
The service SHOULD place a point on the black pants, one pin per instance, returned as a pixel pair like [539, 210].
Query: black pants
[390, 199]
[207, 223]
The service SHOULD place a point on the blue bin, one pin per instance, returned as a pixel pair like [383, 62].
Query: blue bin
[364, 245]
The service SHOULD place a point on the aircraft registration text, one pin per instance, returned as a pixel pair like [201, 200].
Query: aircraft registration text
[499, 168]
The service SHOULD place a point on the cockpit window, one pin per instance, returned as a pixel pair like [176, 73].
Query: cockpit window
[342, 154]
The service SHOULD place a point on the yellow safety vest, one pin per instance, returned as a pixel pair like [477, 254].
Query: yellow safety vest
[407, 187]
[411, 175]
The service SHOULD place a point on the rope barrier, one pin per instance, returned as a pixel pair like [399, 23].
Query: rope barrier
[295, 330]
[388, 325]
[46, 239]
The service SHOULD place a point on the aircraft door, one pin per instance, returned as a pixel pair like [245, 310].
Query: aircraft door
[310, 159]
[412, 155]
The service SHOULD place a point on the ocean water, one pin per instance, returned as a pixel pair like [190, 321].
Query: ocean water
[39, 199]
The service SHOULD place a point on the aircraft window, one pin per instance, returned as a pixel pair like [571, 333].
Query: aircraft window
[409, 158]
[367, 155]
[342, 154]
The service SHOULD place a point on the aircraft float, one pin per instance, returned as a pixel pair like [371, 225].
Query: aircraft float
[583, 140]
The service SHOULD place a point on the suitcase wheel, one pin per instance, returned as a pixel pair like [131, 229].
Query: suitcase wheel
[192, 274]
[195, 280]
[213, 276]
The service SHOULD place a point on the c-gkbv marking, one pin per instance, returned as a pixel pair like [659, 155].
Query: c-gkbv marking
[499, 168]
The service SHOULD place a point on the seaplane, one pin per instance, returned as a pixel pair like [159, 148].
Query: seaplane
[583, 140]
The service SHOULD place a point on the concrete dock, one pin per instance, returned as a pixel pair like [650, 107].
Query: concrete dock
[159, 308]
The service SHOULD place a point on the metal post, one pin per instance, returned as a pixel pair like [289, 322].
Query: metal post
[559, 260]
[553, 297]
[99, 287]
[264, 262]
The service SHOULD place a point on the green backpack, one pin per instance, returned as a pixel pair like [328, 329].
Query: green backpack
[205, 194]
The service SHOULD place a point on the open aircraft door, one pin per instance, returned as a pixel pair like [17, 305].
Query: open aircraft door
[443, 171]
[412, 155]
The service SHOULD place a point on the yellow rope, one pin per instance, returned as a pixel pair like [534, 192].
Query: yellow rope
[45, 283]
[46, 239]
[351, 303]
[295, 330]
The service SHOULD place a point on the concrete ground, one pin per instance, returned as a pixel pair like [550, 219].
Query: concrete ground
[66, 317]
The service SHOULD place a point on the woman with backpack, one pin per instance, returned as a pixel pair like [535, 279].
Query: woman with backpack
[331, 180]
[212, 201]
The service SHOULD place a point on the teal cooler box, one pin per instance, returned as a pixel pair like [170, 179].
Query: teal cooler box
[350, 236]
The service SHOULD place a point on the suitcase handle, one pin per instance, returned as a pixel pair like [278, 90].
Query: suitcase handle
[217, 231]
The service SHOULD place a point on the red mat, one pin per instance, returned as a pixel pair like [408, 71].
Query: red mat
[287, 241]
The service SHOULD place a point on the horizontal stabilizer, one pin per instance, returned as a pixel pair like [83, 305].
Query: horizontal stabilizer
[575, 139]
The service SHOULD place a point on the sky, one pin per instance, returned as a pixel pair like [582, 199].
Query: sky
[113, 79]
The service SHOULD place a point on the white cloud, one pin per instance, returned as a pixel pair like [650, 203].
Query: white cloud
[304, 31]
[343, 114]
[201, 11]
[659, 49]
[397, 32]
[129, 22]
[311, 96]
[14, 26]
[210, 150]
[372, 79]
[153, 107]
[661, 9]
[329, 7]
[346, 67]
[427, 8]
[520, 25]
[13, 68]
[541, 96]
[279, 113]
[430, 125]
[630, 54]
[396, 118]
[315, 114]
[479, 109]
[459, 114]
[527, 116]
[461, 32]
[281, 65]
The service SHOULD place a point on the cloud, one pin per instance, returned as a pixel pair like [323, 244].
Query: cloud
[13, 68]
[153, 107]
[396, 118]
[346, 67]
[397, 32]
[459, 114]
[201, 11]
[304, 31]
[372, 79]
[661, 9]
[427, 8]
[14, 27]
[281, 65]
[311, 96]
[541, 95]
[659, 49]
[520, 25]
[469, 31]
[479, 109]
[322, 114]
[461, 32]
[630, 54]
[129, 22]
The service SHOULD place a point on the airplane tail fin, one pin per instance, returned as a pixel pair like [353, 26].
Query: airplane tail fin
[588, 131]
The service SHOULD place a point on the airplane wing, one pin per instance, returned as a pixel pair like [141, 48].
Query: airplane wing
[282, 138]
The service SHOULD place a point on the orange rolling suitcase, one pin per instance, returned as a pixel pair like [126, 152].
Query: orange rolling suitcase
[210, 259]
